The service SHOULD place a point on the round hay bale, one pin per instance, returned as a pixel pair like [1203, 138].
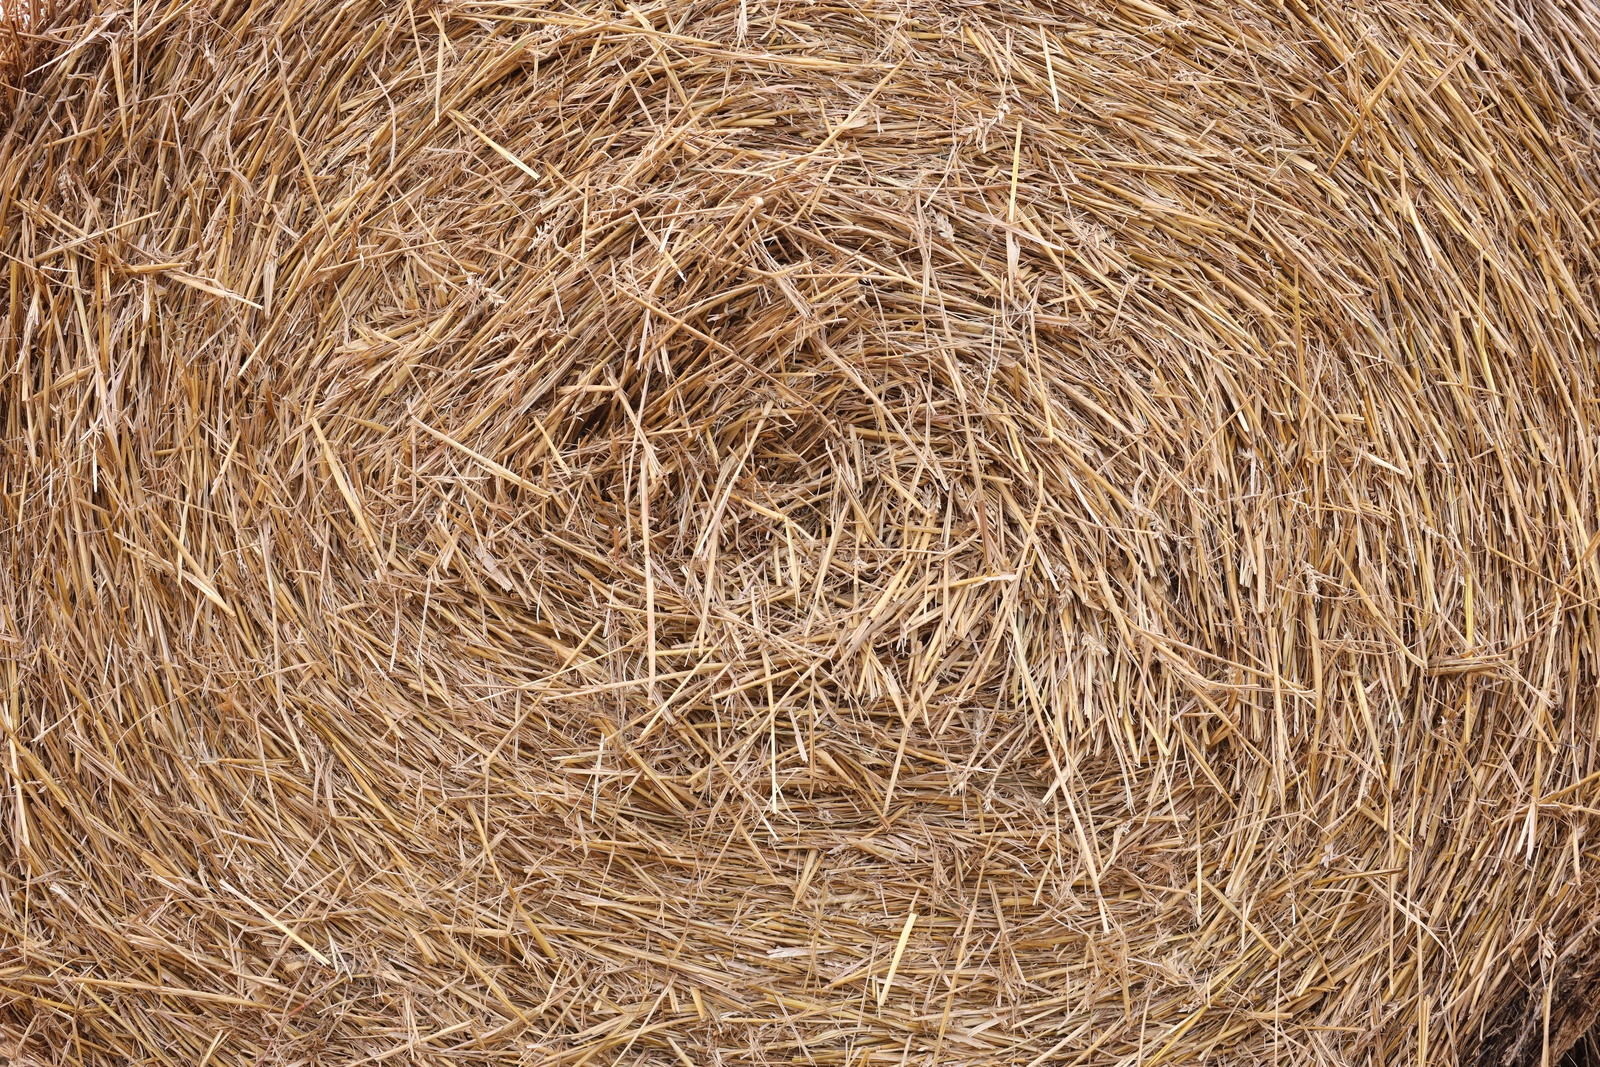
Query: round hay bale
[745, 532]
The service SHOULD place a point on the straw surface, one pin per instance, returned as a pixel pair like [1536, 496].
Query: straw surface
[750, 532]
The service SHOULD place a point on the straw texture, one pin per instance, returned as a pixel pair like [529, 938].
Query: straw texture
[749, 532]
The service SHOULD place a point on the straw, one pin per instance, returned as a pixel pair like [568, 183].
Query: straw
[740, 532]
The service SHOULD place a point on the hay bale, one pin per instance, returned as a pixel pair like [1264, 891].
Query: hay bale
[751, 532]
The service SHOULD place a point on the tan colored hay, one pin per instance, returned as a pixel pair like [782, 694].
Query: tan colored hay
[747, 532]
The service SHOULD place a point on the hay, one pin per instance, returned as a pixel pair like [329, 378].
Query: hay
[748, 532]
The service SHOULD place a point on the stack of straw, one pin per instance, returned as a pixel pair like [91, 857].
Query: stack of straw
[751, 532]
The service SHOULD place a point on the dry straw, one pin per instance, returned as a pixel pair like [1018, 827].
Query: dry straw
[751, 532]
